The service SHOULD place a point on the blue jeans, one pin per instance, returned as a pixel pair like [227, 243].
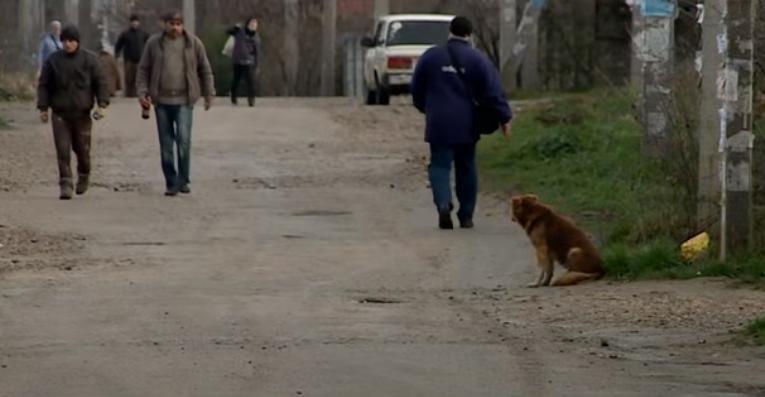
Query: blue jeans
[174, 126]
[440, 169]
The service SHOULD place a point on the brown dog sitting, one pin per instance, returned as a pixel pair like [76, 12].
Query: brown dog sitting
[556, 239]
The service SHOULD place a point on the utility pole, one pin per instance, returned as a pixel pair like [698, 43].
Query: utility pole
[508, 26]
[329, 41]
[189, 16]
[735, 88]
[291, 45]
[710, 151]
[526, 33]
[382, 7]
[636, 66]
[31, 17]
[655, 46]
[71, 12]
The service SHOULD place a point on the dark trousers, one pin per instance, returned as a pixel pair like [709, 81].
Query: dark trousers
[131, 69]
[466, 177]
[248, 73]
[72, 134]
[174, 126]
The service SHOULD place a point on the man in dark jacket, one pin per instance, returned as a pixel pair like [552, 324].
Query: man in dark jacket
[448, 101]
[69, 81]
[245, 58]
[130, 44]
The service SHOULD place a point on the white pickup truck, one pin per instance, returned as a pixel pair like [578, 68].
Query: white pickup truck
[392, 53]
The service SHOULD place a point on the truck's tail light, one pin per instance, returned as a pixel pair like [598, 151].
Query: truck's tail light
[404, 63]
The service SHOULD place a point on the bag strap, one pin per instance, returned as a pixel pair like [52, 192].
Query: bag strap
[460, 73]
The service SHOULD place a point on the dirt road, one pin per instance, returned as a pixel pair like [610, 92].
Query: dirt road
[306, 262]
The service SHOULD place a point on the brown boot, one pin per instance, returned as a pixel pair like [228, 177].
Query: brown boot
[83, 182]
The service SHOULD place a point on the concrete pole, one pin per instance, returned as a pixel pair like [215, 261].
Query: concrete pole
[708, 208]
[329, 39]
[636, 66]
[31, 25]
[189, 16]
[291, 45]
[655, 45]
[530, 67]
[525, 34]
[382, 7]
[735, 84]
[71, 13]
[508, 27]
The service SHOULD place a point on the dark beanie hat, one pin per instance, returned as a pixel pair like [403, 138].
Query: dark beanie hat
[461, 27]
[71, 33]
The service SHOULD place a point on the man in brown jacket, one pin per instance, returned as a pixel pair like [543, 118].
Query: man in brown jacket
[173, 74]
[69, 82]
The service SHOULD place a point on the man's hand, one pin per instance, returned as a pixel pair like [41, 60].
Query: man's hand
[507, 129]
[44, 117]
[145, 102]
[208, 102]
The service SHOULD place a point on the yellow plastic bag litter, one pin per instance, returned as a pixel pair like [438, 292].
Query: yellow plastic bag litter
[695, 247]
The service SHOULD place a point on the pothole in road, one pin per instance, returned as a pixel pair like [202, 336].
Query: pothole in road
[321, 213]
[380, 301]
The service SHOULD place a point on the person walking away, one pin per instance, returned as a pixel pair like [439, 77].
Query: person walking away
[69, 82]
[448, 101]
[130, 45]
[50, 43]
[173, 74]
[245, 58]
[111, 70]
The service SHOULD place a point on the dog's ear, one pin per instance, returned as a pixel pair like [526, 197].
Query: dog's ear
[531, 199]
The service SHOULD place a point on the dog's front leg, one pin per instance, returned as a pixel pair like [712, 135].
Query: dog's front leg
[544, 262]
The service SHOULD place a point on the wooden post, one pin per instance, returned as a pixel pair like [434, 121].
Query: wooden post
[735, 85]
[329, 35]
[708, 198]
[508, 26]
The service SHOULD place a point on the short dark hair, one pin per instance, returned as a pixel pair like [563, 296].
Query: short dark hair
[461, 27]
[173, 15]
[134, 18]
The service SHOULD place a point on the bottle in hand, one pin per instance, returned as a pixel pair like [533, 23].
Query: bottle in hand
[145, 112]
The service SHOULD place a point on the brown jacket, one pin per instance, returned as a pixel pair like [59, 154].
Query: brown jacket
[199, 75]
[111, 71]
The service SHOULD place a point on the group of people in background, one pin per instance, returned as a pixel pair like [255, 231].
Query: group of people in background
[168, 71]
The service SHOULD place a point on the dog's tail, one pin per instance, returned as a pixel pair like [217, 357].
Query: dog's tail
[573, 278]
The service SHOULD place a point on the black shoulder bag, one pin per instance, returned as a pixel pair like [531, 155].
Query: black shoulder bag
[485, 118]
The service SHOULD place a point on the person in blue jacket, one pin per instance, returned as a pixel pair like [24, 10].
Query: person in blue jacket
[449, 106]
[50, 43]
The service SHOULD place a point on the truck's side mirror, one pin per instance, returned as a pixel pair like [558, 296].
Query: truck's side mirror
[368, 42]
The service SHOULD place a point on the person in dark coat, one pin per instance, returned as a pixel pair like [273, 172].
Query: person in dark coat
[245, 58]
[71, 82]
[111, 70]
[130, 45]
[441, 94]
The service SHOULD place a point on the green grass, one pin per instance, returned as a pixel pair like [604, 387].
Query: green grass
[756, 330]
[582, 154]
